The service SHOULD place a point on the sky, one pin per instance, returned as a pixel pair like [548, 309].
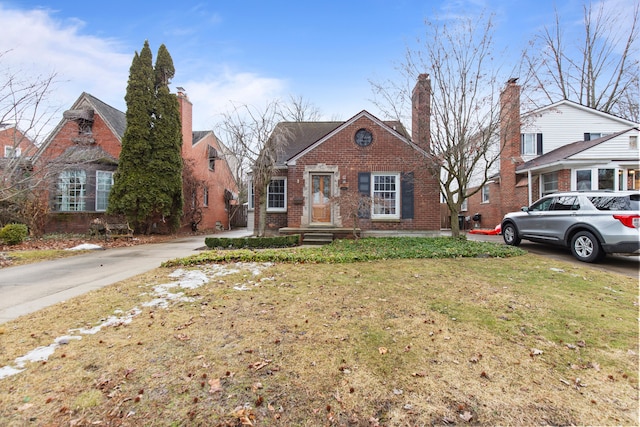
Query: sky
[248, 52]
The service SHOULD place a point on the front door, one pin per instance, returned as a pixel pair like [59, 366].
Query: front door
[321, 198]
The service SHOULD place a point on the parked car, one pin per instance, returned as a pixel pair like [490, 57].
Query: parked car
[592, 224]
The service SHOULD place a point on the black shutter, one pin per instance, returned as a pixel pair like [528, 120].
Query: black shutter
[539, 144]
[587, 136]
[364, 188]
[406, 190]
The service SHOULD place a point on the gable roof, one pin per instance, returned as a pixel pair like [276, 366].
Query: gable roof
[308, 135]
[567, 151]
[115, 119]
[578, 106]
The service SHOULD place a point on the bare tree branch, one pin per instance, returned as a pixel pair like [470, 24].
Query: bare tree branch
[464, 105]
[600, 71]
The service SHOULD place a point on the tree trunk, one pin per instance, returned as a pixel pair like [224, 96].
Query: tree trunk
[455, 225]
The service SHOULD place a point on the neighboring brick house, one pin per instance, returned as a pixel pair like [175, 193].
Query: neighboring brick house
[81, 155]
[564, 146]
[16, 151]
[363, 155]
[14, 144]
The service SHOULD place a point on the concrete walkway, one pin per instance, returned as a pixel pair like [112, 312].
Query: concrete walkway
[27, 288]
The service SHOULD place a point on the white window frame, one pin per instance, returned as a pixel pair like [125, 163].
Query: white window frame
[205, 197]
[574, 179]
[250, 195]
[529, 144]
[12, 152]
[102, 193]
[278, 208]
[378, 194]
[66, 201]
[551, 178]
[485, 195]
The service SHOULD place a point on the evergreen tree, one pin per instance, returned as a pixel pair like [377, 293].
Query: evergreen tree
[166, 159]
[147, 185]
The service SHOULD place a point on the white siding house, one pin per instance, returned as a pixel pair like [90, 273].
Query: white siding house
[564, 146]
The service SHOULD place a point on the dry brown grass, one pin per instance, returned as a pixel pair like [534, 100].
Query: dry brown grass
[519, 341]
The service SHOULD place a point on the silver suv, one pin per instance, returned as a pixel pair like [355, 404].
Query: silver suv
[592, 224]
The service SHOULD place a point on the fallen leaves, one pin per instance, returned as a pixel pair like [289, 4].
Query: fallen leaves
[260, 364]
[215, 386]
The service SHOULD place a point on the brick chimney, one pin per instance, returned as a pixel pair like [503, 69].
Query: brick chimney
[186, 119]
[421, 112]
[510, 157]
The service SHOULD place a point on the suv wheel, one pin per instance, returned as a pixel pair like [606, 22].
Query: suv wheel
[585, 247]
[510, 234]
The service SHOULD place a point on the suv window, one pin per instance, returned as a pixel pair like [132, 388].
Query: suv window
[616, 203]
[542, 205]
[565, 203]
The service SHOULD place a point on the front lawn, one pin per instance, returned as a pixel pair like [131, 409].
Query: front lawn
[413, 333]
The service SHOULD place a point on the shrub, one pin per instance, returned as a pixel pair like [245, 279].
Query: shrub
[252, 242]
[13, 234]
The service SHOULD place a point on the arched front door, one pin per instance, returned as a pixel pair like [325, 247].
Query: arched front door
[321, 198]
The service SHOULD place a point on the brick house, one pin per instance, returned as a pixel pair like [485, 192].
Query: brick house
[16, 151]
[361, 156]
[15, 144]
[81, 155]
[564, 146]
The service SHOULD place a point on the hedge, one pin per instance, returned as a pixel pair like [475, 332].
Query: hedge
[252, 242]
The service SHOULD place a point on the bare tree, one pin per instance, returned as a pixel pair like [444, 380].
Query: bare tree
[599, 70]
[252, 135]
[257, 141]
[299, 109]
[25, 115]
[465, 109]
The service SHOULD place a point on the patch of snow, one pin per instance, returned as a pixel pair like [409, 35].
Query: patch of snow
[85, 247]
[187, 279]
[7, 371]
[110, 321]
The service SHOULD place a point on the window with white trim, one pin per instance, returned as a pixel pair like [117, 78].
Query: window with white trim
[528, 144]
[205, 197]
[583, 179]
[250, 195]
[385, 194]
[485, 193]
[104, 182]
[606, 179]
[549, 182]
[11, 152]
[72, 187]
[277, 195]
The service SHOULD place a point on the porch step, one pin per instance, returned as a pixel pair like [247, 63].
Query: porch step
[317, 238]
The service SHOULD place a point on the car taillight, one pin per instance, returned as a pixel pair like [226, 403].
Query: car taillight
[631, 221]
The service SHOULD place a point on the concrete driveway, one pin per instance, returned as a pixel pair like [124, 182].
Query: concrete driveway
[621, 264]
[28, 288]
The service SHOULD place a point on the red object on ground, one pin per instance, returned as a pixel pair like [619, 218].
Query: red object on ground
[493, 232]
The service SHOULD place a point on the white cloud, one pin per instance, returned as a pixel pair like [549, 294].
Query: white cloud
[36, 43]
[218, 94]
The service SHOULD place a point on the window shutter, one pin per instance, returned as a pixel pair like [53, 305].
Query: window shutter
[406, 189]
[364, 188]
[521, 143]
[539, 144]
[587, 136]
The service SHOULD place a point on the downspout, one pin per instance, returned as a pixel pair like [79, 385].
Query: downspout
[529, 187]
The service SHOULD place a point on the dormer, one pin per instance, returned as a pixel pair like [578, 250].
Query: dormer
[84, 119]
